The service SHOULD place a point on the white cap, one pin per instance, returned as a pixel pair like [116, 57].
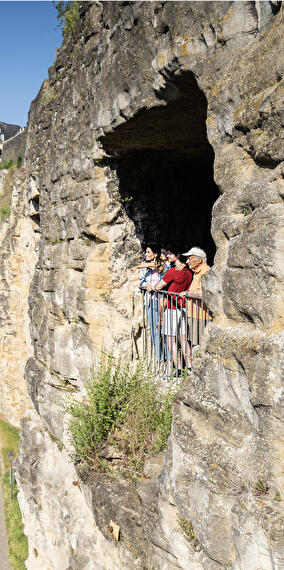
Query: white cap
[196, 251]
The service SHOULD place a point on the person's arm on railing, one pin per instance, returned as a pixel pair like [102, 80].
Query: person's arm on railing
[160, 285]
[193, 294]
[196, 293]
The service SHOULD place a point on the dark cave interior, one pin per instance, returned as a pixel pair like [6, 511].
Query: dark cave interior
[165, 169]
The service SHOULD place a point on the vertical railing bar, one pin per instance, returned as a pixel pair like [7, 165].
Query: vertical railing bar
[165, 329]
[191, 316]
[170, 337]
[151, 327]
[161, 330]
[145, 311]
[171, 325]
[166, 338]
[146, 351]
[161, 303]
[143, 325]
[186, 334]
[177, 343]
[168, 329]
[146, 329]
[153, 331]
[158, 329]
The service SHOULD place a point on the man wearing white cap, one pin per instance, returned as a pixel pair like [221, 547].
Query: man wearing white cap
[196, 312]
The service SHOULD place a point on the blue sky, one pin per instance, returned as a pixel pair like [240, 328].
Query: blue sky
[29, 39]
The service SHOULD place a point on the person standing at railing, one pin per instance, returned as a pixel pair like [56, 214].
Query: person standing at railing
[149, 277]
[197, 312]
[177, 279]
[164, 255]
[160, 263]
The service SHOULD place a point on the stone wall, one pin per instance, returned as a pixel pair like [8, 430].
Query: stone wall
[14, 147]
[129, 94]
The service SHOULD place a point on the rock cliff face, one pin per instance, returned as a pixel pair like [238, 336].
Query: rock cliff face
[18, 239]
[143, 106]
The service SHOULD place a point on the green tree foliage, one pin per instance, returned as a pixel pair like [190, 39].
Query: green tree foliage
[68, 16]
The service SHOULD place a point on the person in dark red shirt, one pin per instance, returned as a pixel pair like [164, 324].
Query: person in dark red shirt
[177, 279]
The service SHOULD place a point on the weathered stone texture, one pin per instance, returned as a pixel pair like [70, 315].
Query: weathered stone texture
[119, 124]
[17, 261]
[60, 524]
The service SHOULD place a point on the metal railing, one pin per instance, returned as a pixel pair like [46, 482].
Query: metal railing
[172, 324]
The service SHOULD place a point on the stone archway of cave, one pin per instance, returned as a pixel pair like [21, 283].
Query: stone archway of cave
[165, 168]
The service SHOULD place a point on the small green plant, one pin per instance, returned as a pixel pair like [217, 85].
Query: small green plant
[56, 240]
[197, 353]
[126, 199]
[124, 409]
[19, 161]
[5, 212]
[247, 210]
[187, 528]
[261, 488]
[277, 496]
[55, 439]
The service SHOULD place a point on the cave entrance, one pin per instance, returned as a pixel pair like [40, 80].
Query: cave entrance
[165, 168]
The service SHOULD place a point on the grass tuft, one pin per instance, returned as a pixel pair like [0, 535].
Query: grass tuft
[187, 528]
[5, 212]
[261, 488]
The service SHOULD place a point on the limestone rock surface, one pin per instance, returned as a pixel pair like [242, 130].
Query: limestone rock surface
[17, 262]
[143, 105]
[58, 520]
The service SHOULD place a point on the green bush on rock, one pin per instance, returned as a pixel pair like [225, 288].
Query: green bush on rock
[125, 410]
[7, 165]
